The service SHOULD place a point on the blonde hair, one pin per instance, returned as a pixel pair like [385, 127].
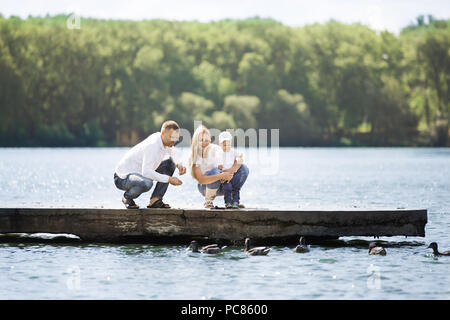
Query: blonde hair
[196, 148]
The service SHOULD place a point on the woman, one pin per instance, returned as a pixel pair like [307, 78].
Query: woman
[204, 163]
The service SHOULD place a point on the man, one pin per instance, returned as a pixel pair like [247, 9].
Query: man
[143, 164]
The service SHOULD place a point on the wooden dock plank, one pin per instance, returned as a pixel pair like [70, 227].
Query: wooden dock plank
[115, 225]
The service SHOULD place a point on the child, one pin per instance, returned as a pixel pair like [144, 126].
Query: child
[232, 161]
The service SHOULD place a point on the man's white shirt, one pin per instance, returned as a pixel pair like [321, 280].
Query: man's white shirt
[145, 158]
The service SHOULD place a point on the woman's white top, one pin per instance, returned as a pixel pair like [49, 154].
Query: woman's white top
[211, 159]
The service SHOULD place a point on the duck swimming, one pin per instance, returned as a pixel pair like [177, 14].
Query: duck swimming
[257, 251]
[434, 246]
[210, 249]
[374, 249]
[302, 247]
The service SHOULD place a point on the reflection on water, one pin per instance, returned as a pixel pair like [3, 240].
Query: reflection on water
[307, 178]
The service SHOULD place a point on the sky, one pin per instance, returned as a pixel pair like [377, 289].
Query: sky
[391, 15]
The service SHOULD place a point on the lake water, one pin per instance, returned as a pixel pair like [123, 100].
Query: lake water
[286, 178]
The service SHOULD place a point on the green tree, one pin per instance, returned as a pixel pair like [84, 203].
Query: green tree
[243, 110]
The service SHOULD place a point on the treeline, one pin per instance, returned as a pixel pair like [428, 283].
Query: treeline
[114, 82]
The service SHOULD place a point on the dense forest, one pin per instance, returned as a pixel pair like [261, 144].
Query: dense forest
[113, 82]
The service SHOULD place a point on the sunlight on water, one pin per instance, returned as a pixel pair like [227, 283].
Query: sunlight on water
[307, 178]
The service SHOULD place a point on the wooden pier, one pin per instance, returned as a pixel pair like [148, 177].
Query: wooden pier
[180, 225]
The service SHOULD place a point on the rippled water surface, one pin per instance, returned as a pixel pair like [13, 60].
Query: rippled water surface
[289, 178]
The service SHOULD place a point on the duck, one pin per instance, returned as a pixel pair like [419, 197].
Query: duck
[257, 251]
[302, 247]
[434, 246]
[210, 249]
[374, 249]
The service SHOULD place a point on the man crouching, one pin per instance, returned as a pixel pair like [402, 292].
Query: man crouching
[143, 164]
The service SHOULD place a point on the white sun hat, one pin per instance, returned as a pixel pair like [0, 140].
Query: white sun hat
[225, 135]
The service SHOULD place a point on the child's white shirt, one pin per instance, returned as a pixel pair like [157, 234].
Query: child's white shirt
[227, 158]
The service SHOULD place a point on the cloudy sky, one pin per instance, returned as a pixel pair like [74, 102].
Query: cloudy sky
[379, 14]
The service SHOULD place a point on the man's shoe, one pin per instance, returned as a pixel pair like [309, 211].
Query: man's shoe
[129, 203]
[159, 204]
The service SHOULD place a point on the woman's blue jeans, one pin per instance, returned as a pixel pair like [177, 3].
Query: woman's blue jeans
[230, 190]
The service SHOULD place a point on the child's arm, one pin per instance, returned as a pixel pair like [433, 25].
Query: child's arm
[240, 159]
[236, 165]
[218, 158]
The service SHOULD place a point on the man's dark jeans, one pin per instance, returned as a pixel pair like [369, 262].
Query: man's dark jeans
[135, 184]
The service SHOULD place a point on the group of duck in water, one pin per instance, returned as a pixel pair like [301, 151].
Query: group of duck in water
[374, 249]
